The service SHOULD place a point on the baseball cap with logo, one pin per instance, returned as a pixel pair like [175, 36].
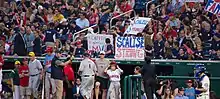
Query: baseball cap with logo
[113, 62]
[31, 54]
[189, 81]
[17, 62]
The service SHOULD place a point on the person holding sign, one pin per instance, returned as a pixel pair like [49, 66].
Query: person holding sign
[109, 49]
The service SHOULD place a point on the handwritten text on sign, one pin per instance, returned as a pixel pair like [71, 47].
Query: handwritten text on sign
[213, 7]
[194, 0]
[137, 26]
[96, 42]
[129, 48]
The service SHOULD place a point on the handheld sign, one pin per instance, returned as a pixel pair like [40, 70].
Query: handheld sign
[129, 48]
[96, 42]
[213, 6]
[137, 26]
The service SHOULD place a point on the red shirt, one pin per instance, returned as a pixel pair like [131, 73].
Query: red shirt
[68, 71]
[1, 61]
[125, 8]
[24, 81]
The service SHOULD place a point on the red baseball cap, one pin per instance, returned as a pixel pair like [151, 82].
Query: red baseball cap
[78, 43]
[49, 49]
[113, 62]
[189, 81]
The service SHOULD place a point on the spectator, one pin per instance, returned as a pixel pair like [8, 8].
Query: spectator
[57, 16]
[24, 80]
[82, 22]
[20, 44]
[15, 80]
[181, 94]
[106, 9]
[76, 89]
[199, 53]
[73, 27]
[29, 39]
[78, 50]
[167, 94]
[94, 18]
[109, 50]
[182, 54]
[37, 44]
[159, 46]
[50, 35]
[190, 90]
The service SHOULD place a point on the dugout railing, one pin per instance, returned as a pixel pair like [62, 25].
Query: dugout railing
[133, 89]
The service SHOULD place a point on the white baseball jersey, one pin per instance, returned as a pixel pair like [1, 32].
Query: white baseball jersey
[114, 75]
[206, 85]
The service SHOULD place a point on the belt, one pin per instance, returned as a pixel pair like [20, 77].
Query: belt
[48, 72]
[87, 75]
[34, 75]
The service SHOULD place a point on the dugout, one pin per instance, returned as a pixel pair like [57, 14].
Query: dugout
[163, 68]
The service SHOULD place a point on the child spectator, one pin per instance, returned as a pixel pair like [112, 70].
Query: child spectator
[109, 48]
[180, 94]
[78, 50]
[15, 81]
[114, 76]
[24, 80]
[190, 91]
[76, 89]
[199, 53]
[182, 55]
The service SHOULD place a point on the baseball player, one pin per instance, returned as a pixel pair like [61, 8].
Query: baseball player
[87, 71]
[101, 78]
[1, 64]
[15, 81]
[203, 86]
[48, 80]
[114, 75]
[36, 72]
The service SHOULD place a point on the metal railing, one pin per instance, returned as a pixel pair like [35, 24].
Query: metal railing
[132, 84]
[83, 30]
[121, 15]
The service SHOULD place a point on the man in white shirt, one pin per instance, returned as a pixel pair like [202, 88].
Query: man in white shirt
[82, 22]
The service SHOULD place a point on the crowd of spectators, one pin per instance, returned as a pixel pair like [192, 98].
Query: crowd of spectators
[181, 30]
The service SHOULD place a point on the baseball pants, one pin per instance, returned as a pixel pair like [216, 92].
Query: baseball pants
[34, 82]
[203, 97]
[87, 86]
[114, 90]
[0, 81]
[48, 81]
[16, 94]
[59, 89]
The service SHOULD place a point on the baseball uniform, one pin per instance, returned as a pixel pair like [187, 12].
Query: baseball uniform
[114, 77]
[49, 82]
[35, 68]
[1, 64]
[88, 70]
[24, 81]
[206, 85]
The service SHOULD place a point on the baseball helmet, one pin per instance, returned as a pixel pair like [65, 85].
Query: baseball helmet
[198, 69]
[86, 54]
